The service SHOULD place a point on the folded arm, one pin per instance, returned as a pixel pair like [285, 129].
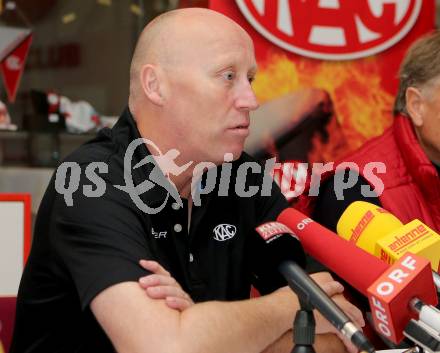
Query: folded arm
[136, 323]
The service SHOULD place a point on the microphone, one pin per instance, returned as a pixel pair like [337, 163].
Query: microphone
[281, 249]
[340, 256]
[389, 289]
[380, 233]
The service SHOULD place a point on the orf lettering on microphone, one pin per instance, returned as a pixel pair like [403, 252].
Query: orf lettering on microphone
[301, 225]
[381, 315]
[385, 289]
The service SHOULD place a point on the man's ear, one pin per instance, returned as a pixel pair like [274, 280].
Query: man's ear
[415, 105]
[151, 84]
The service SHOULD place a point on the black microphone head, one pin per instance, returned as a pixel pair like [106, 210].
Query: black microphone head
[279, 243]
[274, 244]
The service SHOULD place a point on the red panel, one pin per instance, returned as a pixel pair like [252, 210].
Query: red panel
[7, 319]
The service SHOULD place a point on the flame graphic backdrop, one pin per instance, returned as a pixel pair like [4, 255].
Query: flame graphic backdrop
[362, 90]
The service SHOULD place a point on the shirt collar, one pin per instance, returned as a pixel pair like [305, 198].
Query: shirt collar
[124, 132]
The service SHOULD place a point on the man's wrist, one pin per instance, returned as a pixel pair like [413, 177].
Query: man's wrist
[285, 305]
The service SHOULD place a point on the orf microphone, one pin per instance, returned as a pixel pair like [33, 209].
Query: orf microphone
[304, 286]
[354, 265]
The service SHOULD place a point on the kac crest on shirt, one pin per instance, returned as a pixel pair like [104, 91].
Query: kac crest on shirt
[223, 232]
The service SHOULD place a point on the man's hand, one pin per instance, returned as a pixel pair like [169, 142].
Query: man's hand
[160, 285]
[334, 290]
[355, 315]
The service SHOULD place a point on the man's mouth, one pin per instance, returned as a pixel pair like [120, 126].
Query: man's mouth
[242, 125]
[242, 129]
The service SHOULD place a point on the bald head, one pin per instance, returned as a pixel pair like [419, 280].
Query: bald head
[175, 38]
[190, 84]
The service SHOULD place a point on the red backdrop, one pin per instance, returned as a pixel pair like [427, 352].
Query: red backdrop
[362, 90]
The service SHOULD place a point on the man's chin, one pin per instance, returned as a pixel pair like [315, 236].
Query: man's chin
[226, 157]
[232, 155]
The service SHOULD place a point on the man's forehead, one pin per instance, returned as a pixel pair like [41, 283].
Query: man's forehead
[234, 58]
[199, 42]
[226, 49]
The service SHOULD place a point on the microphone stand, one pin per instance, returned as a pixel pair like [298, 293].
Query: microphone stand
[425, 337]
[311, 294]
[304, 328]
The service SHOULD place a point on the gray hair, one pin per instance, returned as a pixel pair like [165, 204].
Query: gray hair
[420, 65]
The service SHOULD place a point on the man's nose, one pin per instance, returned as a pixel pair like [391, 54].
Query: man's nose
[246, 99]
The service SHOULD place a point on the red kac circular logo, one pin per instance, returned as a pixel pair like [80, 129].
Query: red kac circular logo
[332, 29]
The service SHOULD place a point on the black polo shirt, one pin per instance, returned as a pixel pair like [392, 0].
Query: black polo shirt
[82, 249]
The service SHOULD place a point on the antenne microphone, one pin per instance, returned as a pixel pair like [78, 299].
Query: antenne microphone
[380, 233]
[281, 248]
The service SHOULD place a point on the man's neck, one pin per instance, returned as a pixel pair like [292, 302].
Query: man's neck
[181, 178]
[183, 184]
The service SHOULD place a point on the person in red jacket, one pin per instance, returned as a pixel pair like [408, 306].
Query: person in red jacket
[409, 149]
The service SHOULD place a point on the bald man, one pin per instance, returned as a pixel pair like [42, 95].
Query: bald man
[104, 275]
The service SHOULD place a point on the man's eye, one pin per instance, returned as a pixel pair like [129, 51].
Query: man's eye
[229, 75]
[251, 79]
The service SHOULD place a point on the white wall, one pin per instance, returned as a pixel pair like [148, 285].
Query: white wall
[11, 246]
